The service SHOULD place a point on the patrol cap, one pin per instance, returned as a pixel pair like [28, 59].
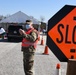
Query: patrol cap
[29, 22]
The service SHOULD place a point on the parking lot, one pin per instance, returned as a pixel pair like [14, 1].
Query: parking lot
[11, 60]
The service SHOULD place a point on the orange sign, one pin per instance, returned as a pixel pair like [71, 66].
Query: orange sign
[63, 34]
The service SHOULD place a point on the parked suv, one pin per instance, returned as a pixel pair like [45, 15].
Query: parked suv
[13, 33]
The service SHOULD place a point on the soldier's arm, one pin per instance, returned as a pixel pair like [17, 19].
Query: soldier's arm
[31, 37]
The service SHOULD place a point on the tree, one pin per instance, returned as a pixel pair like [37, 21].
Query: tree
[1, 17]
[43, 25]
[42, 18]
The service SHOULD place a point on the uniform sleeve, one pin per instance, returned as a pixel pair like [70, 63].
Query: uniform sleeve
[31, 37]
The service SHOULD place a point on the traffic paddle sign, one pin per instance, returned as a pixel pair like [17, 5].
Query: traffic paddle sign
[61, 37]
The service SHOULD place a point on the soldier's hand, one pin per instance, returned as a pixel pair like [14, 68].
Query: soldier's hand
[21, 31]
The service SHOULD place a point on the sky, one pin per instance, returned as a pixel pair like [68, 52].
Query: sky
[36, 8]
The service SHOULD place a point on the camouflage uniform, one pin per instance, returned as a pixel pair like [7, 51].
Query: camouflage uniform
[28, 54]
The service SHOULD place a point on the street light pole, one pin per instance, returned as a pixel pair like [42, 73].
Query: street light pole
[39, 27]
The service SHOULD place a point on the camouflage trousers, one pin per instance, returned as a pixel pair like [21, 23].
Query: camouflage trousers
[28, 60]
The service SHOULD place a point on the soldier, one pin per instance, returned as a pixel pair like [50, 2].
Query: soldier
[29, 42]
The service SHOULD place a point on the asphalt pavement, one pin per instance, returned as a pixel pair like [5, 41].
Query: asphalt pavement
[11, 59]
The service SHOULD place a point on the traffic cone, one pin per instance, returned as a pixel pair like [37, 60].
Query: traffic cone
[58, 70]
[42, 42]
[38, 36]
[58, 66]
[46, 50]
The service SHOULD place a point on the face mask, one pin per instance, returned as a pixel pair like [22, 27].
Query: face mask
[28, 26]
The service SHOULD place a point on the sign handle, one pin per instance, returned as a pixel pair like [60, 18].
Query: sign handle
[71, 67]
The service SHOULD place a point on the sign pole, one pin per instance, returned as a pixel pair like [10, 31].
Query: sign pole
[71, 67]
